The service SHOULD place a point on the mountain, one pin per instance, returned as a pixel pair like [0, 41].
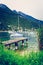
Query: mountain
[30, 18]
[9, 17]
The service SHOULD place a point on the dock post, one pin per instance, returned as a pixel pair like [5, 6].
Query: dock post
[9, 46]
[22, 43]
[16, 45]
[26, 42]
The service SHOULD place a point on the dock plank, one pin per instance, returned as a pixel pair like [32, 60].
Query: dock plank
[13, 41]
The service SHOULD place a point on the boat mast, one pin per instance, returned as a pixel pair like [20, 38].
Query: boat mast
[18, 21]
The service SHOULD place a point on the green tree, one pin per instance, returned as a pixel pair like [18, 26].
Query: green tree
[41, 38]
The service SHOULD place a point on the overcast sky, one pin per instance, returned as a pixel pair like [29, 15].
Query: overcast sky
[30, 7]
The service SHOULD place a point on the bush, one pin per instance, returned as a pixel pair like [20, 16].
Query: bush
[8, 57]
[41, 38]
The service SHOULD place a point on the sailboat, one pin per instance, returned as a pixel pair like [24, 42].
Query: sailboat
[24, 33]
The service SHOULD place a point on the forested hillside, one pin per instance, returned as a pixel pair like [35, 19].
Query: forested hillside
[9, 17]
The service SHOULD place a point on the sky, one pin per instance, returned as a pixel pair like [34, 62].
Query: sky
[33, 8]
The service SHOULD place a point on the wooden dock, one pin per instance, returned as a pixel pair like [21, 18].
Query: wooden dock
[15, 41]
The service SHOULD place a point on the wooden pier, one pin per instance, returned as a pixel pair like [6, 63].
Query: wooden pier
[15, 41]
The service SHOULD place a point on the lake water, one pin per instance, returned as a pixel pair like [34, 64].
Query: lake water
[32, 40]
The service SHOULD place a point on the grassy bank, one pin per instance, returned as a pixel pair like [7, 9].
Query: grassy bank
[8, 57]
